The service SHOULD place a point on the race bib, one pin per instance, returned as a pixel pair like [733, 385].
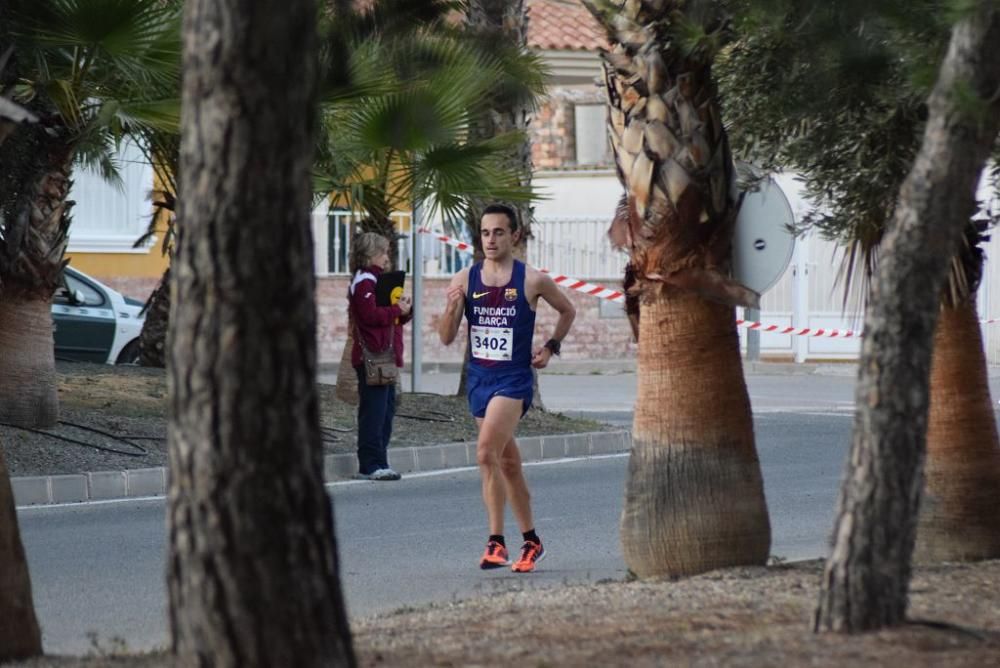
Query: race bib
[492, 343]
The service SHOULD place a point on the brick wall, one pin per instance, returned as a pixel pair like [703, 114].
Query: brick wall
[552, 134]
[553, 131]
[593, 337]
[137, 287]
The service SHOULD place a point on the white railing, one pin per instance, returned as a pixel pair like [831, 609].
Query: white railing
[575, 247]
[332, 240]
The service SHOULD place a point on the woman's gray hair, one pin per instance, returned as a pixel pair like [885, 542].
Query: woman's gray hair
[366, 246]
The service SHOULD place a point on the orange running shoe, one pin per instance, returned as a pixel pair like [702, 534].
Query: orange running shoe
[531, 554]
[495, 556]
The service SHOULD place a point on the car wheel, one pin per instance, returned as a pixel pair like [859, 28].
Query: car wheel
[129, 354]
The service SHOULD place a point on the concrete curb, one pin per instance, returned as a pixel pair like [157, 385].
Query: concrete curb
[774, 367]
[107, 485]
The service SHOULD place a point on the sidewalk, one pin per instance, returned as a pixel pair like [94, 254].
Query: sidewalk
[602, 391]
[145, 483]
[152, 482]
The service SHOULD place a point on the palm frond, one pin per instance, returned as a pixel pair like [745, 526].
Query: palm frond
[96, 151]
[123, 30]
[396, 111]
[77, 50]
[161, 115]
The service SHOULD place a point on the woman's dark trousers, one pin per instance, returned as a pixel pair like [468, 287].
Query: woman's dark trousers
[376, 408]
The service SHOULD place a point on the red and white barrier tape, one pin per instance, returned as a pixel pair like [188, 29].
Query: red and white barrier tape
[799, 331]
[571, 283]
[602, 292]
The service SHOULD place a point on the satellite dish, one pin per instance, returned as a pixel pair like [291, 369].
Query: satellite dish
[763, 242]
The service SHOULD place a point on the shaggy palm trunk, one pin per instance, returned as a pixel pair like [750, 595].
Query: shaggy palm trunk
[20, 636]
[503, 22]
[28, 392]
[694, 498]
[867, 577]
[153, 339]
[34, 241]
[960, 511]
[252, 568]
[347, 379]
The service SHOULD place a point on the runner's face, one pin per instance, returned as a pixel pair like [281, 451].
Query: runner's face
[498, 240]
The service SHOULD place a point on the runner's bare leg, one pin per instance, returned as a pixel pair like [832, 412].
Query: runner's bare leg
[496, 432]
[516, 486]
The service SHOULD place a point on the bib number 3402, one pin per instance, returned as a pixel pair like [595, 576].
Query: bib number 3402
[492, 343]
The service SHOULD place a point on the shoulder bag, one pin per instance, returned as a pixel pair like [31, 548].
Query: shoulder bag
[380, 368]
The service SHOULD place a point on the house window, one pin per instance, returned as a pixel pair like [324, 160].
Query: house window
[591, 135]
[109, 217]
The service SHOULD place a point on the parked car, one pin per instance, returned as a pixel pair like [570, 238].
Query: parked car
[93, 323]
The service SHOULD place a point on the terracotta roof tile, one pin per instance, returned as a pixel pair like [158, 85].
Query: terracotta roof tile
[563, 24]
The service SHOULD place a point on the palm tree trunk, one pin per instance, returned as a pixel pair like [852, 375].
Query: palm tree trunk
[153, 339]
[31, 261]
[960, 510]
[503, 21]
[694, 498]
[28, 395]
[347, 380]
[20, 636]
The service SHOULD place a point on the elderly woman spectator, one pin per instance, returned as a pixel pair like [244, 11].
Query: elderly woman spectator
[378, 327]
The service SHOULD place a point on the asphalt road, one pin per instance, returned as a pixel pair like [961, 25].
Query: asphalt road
[99, 568]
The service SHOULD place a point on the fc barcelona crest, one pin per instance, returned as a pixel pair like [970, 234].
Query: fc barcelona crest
[510, 294]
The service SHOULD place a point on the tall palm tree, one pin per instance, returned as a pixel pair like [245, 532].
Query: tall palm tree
[20, 635]
[503, 24]
[694, 497]
[846, 108]
[90, 70]
[400, 114]
[958, 519]
[401, 133]
[162, 149]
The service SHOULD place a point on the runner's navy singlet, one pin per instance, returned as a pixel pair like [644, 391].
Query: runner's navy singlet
[501, 322]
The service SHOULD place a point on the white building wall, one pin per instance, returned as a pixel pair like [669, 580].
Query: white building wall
[109, 218]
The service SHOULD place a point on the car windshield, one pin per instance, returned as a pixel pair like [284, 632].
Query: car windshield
[91, 295]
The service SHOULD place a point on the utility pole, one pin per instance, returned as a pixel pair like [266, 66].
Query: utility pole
[417, 343]
[753, 335]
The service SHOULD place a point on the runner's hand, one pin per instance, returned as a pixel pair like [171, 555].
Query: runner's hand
[541, 358]
[456, 298]
[404, 305]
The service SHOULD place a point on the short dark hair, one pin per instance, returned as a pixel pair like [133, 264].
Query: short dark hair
[505, 210]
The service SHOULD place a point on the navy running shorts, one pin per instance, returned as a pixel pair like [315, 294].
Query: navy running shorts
[484, 385]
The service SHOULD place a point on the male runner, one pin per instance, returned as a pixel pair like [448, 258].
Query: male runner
[498, 297]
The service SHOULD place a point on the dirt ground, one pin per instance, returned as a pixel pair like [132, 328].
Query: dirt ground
[735, 617]
[126, 405]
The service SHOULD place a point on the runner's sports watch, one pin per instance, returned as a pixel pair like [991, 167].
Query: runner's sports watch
[553, 346]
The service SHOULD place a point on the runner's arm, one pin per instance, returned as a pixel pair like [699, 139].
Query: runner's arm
[450, 320]
[547, 289]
